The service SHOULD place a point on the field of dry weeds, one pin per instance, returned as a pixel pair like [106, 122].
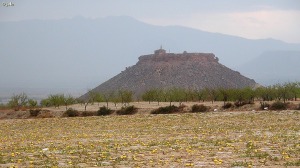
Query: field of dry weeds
[227, 139]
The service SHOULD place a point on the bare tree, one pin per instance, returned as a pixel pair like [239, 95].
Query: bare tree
[32, 103]
[18, 101]
[68, 100]
[125, 96]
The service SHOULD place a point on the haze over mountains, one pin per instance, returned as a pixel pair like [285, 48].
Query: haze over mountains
[81, 53]
[273, 67]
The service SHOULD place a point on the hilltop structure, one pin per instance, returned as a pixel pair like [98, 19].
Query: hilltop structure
[169, 70]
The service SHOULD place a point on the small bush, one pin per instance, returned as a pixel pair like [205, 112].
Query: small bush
[199, 108]
[278, 106]
[88, 113]
[71, 113]
[166, 110]
[34, 112]
[127, 110]
[227, 106]
[103, 111]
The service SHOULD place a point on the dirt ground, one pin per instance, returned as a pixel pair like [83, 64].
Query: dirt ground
[213, 139]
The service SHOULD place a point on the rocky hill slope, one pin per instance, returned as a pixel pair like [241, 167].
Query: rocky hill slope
[169, 70]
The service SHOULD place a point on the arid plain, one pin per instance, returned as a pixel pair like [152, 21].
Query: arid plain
[239, 138]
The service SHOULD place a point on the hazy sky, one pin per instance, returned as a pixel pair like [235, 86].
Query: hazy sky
[279, 19]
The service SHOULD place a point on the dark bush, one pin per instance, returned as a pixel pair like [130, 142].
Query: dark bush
[34, 112]
[127, 110]
[88, 113]
[278, 106]
[227, 106]
[104, 111]
[166, 110]
[199, 108]
[71, 113]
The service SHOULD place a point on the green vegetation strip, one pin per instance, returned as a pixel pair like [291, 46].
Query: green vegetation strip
[197, 139]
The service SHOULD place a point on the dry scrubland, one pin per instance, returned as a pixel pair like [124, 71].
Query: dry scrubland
[222, 139]
[143, 108]
[146, 107]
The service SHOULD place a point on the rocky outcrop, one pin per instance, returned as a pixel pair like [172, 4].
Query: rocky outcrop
[169, 70]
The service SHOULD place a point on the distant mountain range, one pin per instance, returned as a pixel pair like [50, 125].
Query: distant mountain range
[273, 67]
[81, 53]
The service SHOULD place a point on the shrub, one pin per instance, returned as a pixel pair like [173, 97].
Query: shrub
[166, 110]
[88, 113]
[199, 108]
[34, 112]
[278, 106]
[227, 106]
[103, 111]
[127, 110]
[71, 113]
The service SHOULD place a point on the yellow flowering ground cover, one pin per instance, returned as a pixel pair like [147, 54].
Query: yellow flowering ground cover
[218, 139]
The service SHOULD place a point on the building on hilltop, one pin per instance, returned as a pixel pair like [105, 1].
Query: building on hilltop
[160, 55]
[160, 51]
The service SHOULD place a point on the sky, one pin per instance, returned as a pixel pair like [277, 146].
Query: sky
[253, 19]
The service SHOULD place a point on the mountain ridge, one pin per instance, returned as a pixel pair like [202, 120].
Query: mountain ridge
[273, 67]
[82, 53]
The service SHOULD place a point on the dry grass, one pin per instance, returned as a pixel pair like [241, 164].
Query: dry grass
[242, 139]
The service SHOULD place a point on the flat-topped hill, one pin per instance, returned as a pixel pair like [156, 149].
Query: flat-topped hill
[168, 70]
[161, 56]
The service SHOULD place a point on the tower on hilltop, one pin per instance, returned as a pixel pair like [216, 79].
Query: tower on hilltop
[160, 51]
